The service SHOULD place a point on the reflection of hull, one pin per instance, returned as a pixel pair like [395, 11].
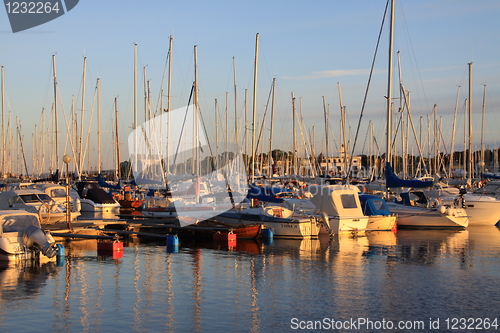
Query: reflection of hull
[420, 217]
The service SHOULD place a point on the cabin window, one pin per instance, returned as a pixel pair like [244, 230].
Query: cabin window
[348, 201]
[29, 198]
[58, 193]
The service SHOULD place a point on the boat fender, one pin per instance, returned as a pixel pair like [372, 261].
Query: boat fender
[442, 209]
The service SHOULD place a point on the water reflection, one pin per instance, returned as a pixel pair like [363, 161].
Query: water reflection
[256, 286]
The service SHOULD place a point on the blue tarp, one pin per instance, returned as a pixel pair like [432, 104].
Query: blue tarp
[103, 183]
[373, 205]
[394, 181]
[267, 194]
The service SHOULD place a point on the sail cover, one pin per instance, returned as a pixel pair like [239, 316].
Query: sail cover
[394, 181]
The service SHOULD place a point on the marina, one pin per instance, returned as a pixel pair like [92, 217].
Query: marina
[418, 277]
[201, 210]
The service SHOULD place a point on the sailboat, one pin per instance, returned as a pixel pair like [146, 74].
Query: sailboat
[419, 213]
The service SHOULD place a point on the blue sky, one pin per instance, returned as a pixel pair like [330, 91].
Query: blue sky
[308, 47]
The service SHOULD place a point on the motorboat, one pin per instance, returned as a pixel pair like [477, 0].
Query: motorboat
[339, 207]
[94, 199]
[58, 194]
[33, 201]
[21, 237]
[379, 215]
[284, 222]
[416, 210]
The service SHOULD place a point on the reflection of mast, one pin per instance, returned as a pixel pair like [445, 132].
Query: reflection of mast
[255, 302]
[170, 294]
[197, 291]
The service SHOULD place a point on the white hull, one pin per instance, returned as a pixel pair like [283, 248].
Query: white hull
[421, 217]
[482, 210]
[90, 206]
[381, 222]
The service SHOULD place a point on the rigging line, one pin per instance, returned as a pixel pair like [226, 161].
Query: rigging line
[263, 120]
[183, 125]
[367, 88]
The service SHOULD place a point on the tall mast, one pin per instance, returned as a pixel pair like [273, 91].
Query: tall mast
[482, 131]
[55, 111]
[470, 165]
[117, 141]
[135, 124]
[389, 87]
[98, 126]
[195, 115]
[169, 91]
[3, 133]
[83, 113]
[235, 105]
[325, 112]
[452, 152]
[254, 110]
[294, 138]
[270, 157]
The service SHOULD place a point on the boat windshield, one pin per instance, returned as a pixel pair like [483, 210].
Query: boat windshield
[44, 197]
[58, 193]
[30, 198]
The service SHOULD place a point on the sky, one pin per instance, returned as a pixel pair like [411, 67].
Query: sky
[321, 51]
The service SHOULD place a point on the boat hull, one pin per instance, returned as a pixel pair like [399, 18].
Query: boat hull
[420, 217]
[300, 227]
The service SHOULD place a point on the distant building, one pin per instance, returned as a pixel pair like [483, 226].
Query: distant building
[337, 166]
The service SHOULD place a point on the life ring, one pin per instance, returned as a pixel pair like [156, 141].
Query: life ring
[47, 208]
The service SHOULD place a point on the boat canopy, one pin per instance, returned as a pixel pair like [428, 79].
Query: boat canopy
[373, 205]
[11, 221]
[336, 200]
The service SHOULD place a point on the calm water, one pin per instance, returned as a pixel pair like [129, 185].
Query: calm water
[419, 279]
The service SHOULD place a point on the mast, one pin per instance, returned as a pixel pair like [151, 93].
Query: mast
[169, 89]
[270, 157]
[117, 141]
[55, 110]
[3, 133]
[389, 87]
[98, 126]
[470, 164]
[294, 148]
[326, 133]
[482, 163]
[83, 115]
[134, 126]
[235, 105]
[254, 110]
[195, 116]
[452, 152]
[169, 92]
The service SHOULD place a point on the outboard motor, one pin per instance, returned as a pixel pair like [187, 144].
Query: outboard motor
[36, 237]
